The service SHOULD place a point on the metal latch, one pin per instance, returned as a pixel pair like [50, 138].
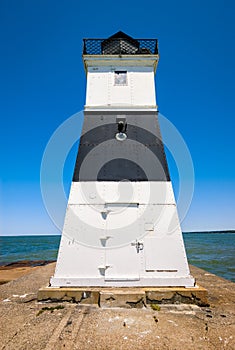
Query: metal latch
[139, 245]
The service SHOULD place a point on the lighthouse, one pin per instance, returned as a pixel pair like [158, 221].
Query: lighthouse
[121, 225]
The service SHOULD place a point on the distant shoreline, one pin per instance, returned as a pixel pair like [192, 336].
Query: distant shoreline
[24, 263]
[59, 235]
[219, 231]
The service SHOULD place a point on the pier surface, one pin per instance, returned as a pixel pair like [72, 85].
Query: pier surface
[26, 323]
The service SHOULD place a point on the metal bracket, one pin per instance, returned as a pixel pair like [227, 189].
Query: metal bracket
[103, 268]
[103, 240]
[105, 213]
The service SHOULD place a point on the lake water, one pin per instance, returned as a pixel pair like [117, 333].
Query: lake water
[213, 252]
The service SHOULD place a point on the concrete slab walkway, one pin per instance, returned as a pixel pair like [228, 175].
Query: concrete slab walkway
[26, 323]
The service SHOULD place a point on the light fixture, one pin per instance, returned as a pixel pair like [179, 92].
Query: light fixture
[121, 136]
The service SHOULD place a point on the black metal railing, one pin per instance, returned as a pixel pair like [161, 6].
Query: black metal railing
[122, 46]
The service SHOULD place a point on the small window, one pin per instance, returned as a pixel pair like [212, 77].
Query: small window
[120, 77]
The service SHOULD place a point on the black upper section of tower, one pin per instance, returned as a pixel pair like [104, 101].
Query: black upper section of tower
[102, 156]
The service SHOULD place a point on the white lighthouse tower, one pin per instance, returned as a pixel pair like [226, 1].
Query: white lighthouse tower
[121, 227]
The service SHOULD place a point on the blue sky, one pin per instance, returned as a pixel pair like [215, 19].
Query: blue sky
[43, 83]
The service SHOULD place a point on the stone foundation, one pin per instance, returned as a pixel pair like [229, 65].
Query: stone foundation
[126, 297]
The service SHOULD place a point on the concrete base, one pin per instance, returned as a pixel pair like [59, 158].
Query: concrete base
[126, 297]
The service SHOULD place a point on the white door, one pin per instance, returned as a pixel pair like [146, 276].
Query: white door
[122, 260]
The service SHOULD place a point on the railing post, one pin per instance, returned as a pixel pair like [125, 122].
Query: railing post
[84, 47]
